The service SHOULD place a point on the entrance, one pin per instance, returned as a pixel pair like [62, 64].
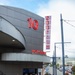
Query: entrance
[29, 71]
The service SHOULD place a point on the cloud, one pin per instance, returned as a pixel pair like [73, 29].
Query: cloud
[54, 8]
[4, 2]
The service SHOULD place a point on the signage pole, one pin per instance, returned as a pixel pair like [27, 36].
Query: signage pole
[55, 59]
[53, 65]
[62, 37]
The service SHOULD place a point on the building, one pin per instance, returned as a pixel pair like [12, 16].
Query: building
[68, 61]
[21, 42]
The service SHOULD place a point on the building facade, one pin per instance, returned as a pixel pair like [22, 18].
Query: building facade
[21, 41]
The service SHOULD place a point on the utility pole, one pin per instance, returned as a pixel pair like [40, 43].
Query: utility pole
[54, 54]
[62, 39]
[55, 57]
[54, 61]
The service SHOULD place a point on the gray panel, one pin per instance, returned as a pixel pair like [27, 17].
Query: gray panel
[3, 10]
[31, 46]
[20, 22]
[24, 57]
[34, 40]
[10, 13]
[31, 40]
[14, 68]
[31, 33]
[9, 29]
[25, 12]
[18, 17]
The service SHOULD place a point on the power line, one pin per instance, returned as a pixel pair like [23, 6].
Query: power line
[67, 50]
[69, 23]
[70, 20]
[70, 51]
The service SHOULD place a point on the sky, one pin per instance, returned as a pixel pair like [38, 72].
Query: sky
[53, 8]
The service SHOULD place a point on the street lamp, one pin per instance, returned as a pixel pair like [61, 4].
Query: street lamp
[54, 58]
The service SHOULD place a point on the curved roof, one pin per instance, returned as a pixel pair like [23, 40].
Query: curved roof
[10, 37]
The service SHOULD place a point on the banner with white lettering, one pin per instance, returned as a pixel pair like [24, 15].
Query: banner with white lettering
[47, 33]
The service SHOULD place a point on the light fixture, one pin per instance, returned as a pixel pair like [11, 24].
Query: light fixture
[13, 40]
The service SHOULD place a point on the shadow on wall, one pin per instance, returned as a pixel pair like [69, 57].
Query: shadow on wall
[1, 73]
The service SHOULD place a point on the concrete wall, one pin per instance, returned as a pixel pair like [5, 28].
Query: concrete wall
[16, 68]
[33, 39]
[18, 17]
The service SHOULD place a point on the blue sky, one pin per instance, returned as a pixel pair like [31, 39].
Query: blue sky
[53, 8]
[30, 5]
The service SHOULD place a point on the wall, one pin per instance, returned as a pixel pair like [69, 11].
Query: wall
[14, 68]
[18, 17]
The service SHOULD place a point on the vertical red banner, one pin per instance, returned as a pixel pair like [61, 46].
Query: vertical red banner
[48, 31]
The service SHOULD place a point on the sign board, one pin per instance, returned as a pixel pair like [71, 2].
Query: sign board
[38, 52]
[47, 31]
[33, 23]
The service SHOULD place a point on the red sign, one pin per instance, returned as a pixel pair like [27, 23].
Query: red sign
[48, 31]
[38, 52]
[47, 46]
[33, 23]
